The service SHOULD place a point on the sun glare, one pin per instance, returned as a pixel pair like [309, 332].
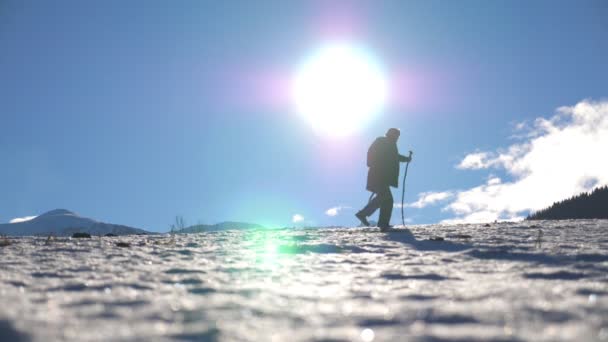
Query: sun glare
[339, 89]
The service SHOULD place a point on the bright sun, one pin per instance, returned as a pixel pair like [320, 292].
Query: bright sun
[339, 89]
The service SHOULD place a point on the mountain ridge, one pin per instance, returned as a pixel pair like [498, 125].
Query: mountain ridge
[226, 225]
[62, 222]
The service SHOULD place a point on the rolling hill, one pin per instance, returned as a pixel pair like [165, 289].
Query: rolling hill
[61, 222]
[200, 228]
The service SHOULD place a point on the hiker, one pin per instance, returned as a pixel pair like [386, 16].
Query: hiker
[383, 161]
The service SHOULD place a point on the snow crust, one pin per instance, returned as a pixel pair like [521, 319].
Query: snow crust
[496, 283]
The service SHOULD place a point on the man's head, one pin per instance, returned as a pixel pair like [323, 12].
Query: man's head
[393, 134]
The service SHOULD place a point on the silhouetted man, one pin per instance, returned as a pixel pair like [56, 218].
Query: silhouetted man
[383, 161]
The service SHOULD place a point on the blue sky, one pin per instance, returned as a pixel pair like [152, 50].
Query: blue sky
[134, 112]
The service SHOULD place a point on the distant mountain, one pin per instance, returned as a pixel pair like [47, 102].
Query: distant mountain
[61, 222]
[199, 228]
[588, 205]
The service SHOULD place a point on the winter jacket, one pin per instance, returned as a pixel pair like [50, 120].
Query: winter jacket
[383, 161]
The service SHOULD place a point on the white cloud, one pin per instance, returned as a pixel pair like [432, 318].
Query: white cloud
[559, 157]
[494, 181]
[428, 198]
[474, 161]
[297, 218]
[22, 219]
[500, 159]
[335, 210]
[332, 211]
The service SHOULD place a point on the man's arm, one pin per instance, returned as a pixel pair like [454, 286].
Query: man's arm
[404, 159]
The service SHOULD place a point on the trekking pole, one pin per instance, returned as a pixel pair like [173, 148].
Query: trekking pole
[403, 189]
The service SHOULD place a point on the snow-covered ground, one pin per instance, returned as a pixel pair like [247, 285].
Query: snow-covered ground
[314, 284]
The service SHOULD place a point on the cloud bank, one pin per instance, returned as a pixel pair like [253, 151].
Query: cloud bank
[428, 198]
[22, 219]
[556, 158]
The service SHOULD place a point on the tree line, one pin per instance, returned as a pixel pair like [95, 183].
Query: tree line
[588, 205]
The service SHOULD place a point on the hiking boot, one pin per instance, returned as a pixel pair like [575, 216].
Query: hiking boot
[362, 218]
[385, 228]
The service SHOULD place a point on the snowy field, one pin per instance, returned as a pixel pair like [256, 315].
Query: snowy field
[344, 284]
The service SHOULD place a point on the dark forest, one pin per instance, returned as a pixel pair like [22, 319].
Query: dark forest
[588, 205]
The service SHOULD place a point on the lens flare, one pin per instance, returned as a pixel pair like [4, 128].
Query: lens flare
[339, 89]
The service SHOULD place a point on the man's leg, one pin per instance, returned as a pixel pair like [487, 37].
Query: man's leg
[369, 209]
[386, 207]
